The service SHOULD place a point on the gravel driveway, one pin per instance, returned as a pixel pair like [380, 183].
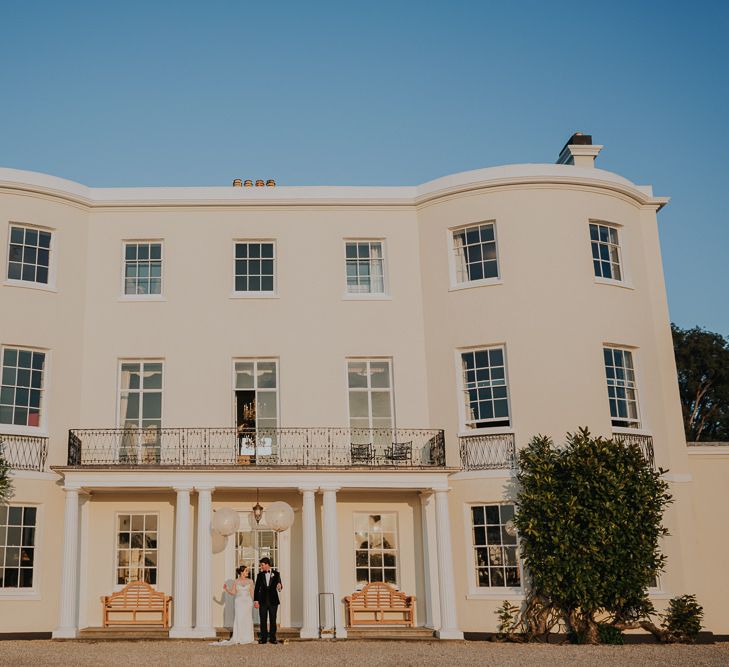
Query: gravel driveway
[353, 652]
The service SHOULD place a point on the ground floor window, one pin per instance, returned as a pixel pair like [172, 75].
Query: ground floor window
[136, 548]
[496, 554]
[375, 544]
[252, 545]
[17, 546]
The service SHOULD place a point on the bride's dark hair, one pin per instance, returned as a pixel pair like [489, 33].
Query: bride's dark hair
[240, 569]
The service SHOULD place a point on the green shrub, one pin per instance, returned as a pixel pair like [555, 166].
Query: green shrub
[682, 620]
[609, 634]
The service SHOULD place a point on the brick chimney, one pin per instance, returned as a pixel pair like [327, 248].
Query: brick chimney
[579, 151]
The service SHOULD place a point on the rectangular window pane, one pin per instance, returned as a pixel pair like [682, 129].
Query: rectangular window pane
[605, 245]
[136, 558]
[370, 394]
[497, 564]
[22, 386]
[475, 253]
[485, 391]
[621, 386]
[142, 268]
[375, 543]
[28, 254]
[140, 399]
[17, 546]
[365, 267]
[257, 272]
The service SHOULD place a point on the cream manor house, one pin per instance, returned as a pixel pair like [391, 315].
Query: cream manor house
[373, 356]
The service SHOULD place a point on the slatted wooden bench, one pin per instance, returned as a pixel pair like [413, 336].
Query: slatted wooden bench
[379, 603]
[138, 599]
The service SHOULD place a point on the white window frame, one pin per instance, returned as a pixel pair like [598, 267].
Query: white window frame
[625, 280]
[115, 544]
[464, 429]
[142, 361]
[50, 286]
[142, 297]
[33, 593]
[260, 294]
[484, 282]
[365, 296]
[487, 592]
[639, 427]
[42, 429]
[368, 514]
[368, 390]
[234, 384]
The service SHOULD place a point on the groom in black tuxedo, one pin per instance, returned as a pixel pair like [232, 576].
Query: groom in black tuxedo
[265, 599]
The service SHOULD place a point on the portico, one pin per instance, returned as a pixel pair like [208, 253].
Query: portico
[315, 556]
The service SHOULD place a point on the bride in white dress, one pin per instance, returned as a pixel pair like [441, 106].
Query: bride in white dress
[242, 591]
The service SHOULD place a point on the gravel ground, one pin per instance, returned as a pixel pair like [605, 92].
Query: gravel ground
[353, 652]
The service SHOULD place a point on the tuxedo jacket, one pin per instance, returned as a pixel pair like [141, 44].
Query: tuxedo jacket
[267, 594]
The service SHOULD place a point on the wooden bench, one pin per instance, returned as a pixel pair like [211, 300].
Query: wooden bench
[137, 598]
[377, 603]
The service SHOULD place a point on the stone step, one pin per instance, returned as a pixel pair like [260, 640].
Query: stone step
[281, 633]
[124, 632]
[390, 632]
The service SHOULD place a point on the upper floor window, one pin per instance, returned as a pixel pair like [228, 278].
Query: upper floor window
[142, 267]
[140, 395]
[256, 395]
[474, 253]
[29, 255]
[605, 242]
[255, 267]
[484, 386]
[621, 386]
[21, 393]
[369, 384]
[365, 267]
[495, 549]
[17, 546]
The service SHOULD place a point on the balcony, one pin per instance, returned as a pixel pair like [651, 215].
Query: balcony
[261, 448]
[644, 442]
[488, 452]
[24, 452]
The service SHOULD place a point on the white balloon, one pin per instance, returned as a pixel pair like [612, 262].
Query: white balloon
[219, 541]
[279, 516]
[226, 521]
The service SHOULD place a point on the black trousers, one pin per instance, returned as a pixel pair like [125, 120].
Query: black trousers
[267, 613]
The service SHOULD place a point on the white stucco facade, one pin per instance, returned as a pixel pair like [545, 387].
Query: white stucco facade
[545, 310]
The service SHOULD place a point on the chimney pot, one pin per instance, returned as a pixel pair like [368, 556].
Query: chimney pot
[237, 183]
[259, 183]
[270, 183]
[248, 183]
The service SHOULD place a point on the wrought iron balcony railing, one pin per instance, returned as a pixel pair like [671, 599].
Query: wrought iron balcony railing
[488, 452]
[644, 442]
[264, 447]
[24, 452]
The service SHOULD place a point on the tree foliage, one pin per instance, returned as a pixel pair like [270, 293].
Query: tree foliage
[6, 483]
[589, 515]
[702, 362]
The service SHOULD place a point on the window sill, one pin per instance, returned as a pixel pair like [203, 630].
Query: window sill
[496, 594]
[497, 430]
[476, 283]
[254, 295]
[142, 297]
[32, 431]
[366, 297]
[624, 430]
[41, 287]
[614, 283]
[13, 594]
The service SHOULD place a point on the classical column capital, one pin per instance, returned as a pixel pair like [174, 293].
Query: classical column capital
[72, 489]
[331, 488]
[204, 487]
[182, 489]
[304, 488]
[425, 496]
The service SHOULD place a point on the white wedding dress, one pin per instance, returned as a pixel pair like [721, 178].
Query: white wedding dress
[243, 621]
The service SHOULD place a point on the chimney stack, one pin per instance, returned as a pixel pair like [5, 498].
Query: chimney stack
[579, 151]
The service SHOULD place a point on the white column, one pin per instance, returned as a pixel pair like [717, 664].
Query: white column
[310, 627]
[430, 560]
[447, 585]
[203, 578]
[182, 593]
[330, 546]
[68, 612]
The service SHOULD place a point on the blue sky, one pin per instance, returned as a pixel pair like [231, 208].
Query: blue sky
[197, 93]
